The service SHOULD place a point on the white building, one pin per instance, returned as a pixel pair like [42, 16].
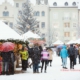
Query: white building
[57, 20]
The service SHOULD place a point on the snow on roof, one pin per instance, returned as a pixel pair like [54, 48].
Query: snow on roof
[7, 33]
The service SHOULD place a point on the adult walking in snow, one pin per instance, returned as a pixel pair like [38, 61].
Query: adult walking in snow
[50, 56]
[36, 58]
[44, 59]
[64, 55]
[6, 59]
[71, 52]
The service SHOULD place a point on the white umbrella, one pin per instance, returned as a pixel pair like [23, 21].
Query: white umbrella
[71, 42]
[30, 34]
[77, 41]
[7, 33]
[58, 42]
[37, 36]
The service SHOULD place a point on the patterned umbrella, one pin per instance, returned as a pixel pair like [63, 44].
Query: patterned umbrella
[8, 46]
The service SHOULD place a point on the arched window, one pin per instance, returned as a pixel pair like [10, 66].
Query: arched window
[5, 13]
[43, 13]
[37, 13]
[66, 3]
[54, 4]
[74, 3]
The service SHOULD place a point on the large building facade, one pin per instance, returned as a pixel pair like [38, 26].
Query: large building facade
[55, 22]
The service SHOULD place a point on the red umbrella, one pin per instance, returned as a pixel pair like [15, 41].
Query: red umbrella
[8, 46]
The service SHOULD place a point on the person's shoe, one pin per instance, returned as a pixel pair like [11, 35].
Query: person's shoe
[65, 67]
[34, 72]
[50, 65]
[41, 71]
[7, 73]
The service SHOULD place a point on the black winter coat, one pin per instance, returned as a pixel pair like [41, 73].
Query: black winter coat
[5, 56]
[36, 55]
[71, 51]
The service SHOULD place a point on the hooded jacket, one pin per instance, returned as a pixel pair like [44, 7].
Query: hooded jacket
[64, 52]
[71, 50]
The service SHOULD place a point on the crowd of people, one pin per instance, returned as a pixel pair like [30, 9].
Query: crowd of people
[36, 53]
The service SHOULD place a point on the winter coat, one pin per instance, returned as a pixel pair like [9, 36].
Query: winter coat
[44, 55]
[64, 52]
[50, 55]
[36, 55]
[24, 55]
[71, 51]
[5, 56]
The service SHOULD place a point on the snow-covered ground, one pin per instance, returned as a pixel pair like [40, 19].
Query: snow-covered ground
[53, 73]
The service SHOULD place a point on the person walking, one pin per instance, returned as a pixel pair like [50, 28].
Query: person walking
[50, 56]
[64, 55]
[11, 63]
[71, 52]
[44, 59]
[36, 58]
[76, 53]
[6, 59]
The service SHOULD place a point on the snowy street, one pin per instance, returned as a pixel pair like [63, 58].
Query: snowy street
[53, 73]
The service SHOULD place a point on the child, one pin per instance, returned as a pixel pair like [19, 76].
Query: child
[0, 65]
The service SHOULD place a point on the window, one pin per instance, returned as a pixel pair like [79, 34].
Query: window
[54, 4]
[74, 3]
[43, 35]
[55, 25]
[74, 15]
[66, 16]
[11, 24]
[55, 15]
[67, 34]
[43, 13]
[43, 24]
[17, 4]
[66, 24]
[5, 13]
[74, 24]
[66, 3]
[37, 13]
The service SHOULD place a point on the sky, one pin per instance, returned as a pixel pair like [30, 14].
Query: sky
[33, 1]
